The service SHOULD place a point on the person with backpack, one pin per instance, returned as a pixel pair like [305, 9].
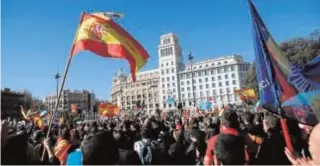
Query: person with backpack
[147, 147]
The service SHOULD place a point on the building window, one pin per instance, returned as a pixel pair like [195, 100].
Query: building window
[172, 70]
[234, 82]
[167, 71]
[200, 87]
[187, 76]
[206, 73]
[168, 85]
[194, 81]
[227, 83]
[225, 62]
[232, 68]
[219, 78]
[163, 85]
[212, 72]
[181, 83]
[167, 64]
[168, 78]
[228, 90]
[214, 92]
[164, 97]
[162, 79]
[188, 88]
[200, 80]
[173, 84]
[200, 73]
[189, 95]
[232, 75]
[194, 88]
[163, 91]
[188, 82]
[174, 90]
[220, 84]
[213, 85]
[226, 76]
[219, 63]
[225, 69]
[221, 91]
[207, 93]
[162, 65]
[182, 95]
[172, 78]
[162, 71]
[182, 89]
[171, 62]
[212, 79]
[206, 79]
[207, 86]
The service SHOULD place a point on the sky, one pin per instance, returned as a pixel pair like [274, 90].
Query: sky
[37, 35]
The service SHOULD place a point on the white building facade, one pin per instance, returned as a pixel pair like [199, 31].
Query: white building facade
[214, 79]
[144, 93]
[84, 100]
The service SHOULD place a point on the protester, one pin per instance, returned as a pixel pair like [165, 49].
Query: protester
[236, 138]
[229, 150]
[272, 148]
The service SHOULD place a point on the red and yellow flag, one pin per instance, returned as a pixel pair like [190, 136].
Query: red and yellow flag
[61, 150]
[108, 109]
[101, 35]
[246, 94]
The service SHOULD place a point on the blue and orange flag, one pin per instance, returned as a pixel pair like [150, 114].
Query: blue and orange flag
[101, 35]
[280, 81]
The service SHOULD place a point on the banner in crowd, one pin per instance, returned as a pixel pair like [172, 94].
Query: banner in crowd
[99, 34]
[108, 109]
[280, 81]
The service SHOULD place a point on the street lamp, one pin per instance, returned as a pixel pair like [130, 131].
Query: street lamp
[190, 57]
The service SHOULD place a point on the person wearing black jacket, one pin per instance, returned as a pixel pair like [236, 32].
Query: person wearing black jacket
[271, 151]
[126, 156]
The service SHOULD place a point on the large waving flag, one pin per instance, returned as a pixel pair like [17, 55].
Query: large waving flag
[278, 79]
[99, 34]
[108, 109]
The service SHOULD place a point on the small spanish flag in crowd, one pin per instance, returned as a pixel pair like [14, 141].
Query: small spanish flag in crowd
[99, 34]
[246, 94]
[108, 109]
[61, 150]
[32, 115]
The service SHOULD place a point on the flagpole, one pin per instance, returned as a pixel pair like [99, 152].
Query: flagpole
[61, 89]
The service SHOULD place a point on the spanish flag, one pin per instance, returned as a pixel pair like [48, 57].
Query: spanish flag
[108, 109]
[246, 94]
[99, 34]
[61, 150]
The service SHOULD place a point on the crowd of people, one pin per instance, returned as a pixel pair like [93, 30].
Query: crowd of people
[234, 138]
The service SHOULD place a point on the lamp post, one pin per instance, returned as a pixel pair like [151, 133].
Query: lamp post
[190, 57]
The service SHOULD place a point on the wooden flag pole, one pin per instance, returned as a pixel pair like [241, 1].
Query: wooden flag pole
[285, 130]
[61, 89]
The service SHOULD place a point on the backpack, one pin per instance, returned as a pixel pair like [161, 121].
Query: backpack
[146, 153]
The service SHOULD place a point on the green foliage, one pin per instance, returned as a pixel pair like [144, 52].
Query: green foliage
[299, 51]
[302, 50]
[251, 79]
